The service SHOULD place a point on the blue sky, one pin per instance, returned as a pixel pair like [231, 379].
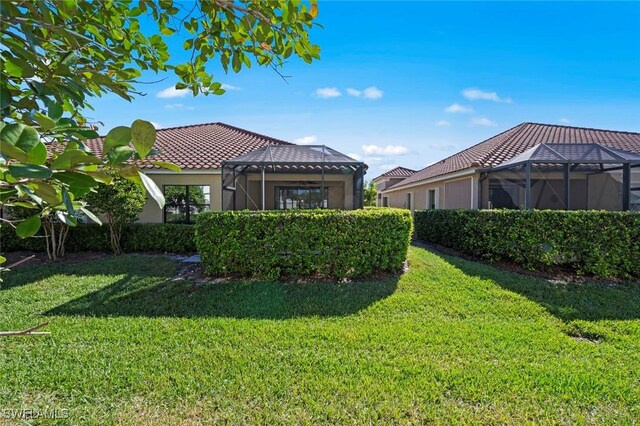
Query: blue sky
[411, 83]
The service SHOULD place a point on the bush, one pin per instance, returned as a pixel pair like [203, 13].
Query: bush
[329, 243]
[121, 202]
[604, 244]
[136, 237]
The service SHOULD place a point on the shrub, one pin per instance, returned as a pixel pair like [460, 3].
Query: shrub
[605, 244]
[330, 243]
[121, 202]
[136, 237]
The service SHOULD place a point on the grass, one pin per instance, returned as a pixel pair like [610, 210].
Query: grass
[451, 341]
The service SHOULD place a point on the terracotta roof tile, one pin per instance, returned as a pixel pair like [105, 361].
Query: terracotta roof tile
[397, 172]
[200, 146]
[508, 144]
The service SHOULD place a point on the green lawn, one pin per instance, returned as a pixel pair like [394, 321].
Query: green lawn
[451, 341]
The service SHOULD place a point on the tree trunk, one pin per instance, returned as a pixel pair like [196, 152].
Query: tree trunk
[55, 240]
[115, 232]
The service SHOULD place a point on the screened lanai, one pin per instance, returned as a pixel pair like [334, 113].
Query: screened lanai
[292, 177]
[569, 176]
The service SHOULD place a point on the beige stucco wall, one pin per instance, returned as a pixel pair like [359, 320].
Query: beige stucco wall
[454, 193]
[153, 214]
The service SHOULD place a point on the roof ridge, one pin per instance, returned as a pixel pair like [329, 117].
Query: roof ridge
[219, 123]
[581, 128]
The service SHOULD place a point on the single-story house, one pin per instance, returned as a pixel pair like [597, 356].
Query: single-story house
[530, 166]
[388, 179]
[225, 167]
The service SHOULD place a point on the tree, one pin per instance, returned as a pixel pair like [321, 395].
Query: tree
[57, 55]
[370, 193]
[121, 202]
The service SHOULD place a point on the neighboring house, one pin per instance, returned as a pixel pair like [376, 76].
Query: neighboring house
[388, 179]
[531, 165]
[260, 173]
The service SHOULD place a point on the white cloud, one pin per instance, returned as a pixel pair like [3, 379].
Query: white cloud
[564, 121]
[156, 125]
[457, 108]
[371, 93]
[306, 140]
[178, 106]
[387, 167]
[483, 122]
[229, 87]
[443, 123]
[474, 94]
[354, 156]
[385, 150]
[328, 92]
[172, 92]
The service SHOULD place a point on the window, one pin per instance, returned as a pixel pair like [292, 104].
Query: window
[183, 203]
[385, 201]
[431, 199]
[409, 200]
[301, 198]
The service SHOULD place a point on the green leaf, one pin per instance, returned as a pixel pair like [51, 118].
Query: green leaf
[66, 199]
[38, 155]
[29, 171]
[101, 177]
[119, 154]
[2, 259]
[54, 110]
[20, 136]
[152, 189]
[45, 122]
[143, 136]
[167, 165]
[66, 218]
[45, 192]
[76, 179]
[91, 216]
[28, 227]
[6, 193]
[67, 6]
[118, 136]
[11, 151]
[72, 157]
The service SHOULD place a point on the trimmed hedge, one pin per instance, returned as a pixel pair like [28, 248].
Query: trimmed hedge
[299, 243]
[604, 244]
[136, 237]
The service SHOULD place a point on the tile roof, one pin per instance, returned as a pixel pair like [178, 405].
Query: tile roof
[397, 172]
[200, 146]
[514, 141]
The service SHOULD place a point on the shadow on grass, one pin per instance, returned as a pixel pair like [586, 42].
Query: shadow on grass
[587, 301]
[133, 296]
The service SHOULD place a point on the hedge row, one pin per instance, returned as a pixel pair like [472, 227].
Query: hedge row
[329, 243]
[136, 237]
[605, 244]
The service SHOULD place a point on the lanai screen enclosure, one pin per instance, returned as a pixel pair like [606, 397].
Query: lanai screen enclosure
[574, 176]
[292, 176]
